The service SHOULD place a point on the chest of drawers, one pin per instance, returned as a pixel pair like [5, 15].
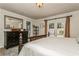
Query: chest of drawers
[12, 38]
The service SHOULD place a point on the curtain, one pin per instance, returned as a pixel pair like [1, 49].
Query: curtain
[45, 27]
[67, 27]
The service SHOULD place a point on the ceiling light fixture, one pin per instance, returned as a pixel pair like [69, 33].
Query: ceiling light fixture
[39, 3]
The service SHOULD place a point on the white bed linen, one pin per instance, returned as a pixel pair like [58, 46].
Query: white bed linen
[51, 47]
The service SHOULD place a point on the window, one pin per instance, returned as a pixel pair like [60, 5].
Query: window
[60, 29]
[56, 27]
[28, 27]
[51, 26]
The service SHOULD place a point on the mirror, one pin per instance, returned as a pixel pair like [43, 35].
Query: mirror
[12, 22]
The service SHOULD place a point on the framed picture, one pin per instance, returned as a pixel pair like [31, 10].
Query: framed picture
[51, 26]
[12, 22]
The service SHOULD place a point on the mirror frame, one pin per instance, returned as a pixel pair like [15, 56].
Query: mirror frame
[13, 18]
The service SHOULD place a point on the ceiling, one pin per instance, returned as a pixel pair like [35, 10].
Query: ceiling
[32, 11]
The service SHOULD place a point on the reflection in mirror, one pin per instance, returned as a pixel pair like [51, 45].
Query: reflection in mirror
[13, 23]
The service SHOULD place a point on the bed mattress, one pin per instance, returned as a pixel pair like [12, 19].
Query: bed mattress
[51, 46]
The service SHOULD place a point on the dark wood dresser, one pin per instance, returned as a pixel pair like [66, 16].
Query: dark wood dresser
[12, 38]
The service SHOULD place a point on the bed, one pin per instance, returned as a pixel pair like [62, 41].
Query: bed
[51, 46]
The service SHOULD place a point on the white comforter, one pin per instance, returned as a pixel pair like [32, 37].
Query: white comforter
[51, 47]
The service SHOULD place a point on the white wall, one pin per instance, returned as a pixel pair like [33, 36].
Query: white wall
[74, 28]
[8, 13]
[1, 30]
